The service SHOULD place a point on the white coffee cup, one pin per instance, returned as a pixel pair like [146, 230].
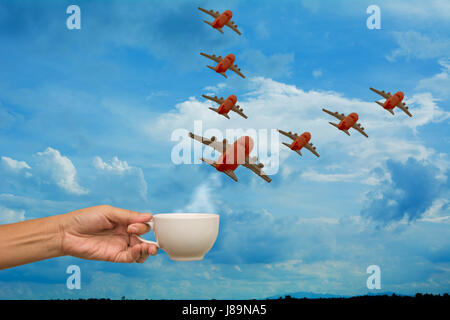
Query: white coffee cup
[184, 236]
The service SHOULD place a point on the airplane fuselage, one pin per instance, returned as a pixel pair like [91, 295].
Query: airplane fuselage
[222, 20]
[348, 121]
[227, 62]
[301, 141]
[227, 105]
[235, 155]
[394, 100]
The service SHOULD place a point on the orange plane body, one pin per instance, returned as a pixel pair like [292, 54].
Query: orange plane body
[348, 121]
[394, 100]
[227, 105]
[301, 141]
[227, 62]
[222, 20]
[236, 155]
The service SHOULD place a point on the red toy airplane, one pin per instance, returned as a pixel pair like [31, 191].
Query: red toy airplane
[223, 64]
[232, 155]
[392, 101]
[347, 122]
[299, 142]
[227, 105]
[221, 20]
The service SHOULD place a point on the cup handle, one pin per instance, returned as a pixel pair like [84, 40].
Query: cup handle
[151, 224]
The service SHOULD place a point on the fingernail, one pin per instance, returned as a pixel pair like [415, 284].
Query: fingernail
[133, 230]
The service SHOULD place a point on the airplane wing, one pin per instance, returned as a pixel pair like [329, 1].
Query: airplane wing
[311, 148]
[289, 134]
[360, 129]
[212, 13]
[338, 115]
[239, 111]
[404, 108]
[237, 70]
[219, 146]
[212, 57]
[257, 168]
[215, 99]
[233, 26]
[382, 93]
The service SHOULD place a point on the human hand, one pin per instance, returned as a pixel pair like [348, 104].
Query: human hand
[106, 233]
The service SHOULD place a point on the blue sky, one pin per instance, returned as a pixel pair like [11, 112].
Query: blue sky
[86, 118]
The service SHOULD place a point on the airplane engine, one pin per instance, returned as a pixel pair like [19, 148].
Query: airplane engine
[260, 165]
[213, 138]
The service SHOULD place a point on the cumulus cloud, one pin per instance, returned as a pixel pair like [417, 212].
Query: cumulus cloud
[413, 44]
[121, 179]
[203, 199]
[439, 83]
[8, 215]
[60, 170]
[411, 192]
[14, 165]
[116, 165]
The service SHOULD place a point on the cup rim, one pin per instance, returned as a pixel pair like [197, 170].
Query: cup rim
[186, 215]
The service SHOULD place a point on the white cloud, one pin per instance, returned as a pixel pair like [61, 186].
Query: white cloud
[10, 215]
[439, 83]
[413, 44]
[61, 170]
[115, 165]
[120, 176]
[415, 10]
[15, 165]
[202, 199]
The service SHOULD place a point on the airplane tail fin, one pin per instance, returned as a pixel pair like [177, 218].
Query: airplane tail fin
[289, 146]
[222, 73]
[334, 124]
[222, 114]
[379, 103]
[210, 23]
[231, 174]
[210, 162]
[286, 144]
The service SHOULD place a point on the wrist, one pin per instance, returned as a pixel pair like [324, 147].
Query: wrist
[53, 230]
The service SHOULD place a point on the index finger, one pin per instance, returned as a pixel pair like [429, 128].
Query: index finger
[127, 216]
